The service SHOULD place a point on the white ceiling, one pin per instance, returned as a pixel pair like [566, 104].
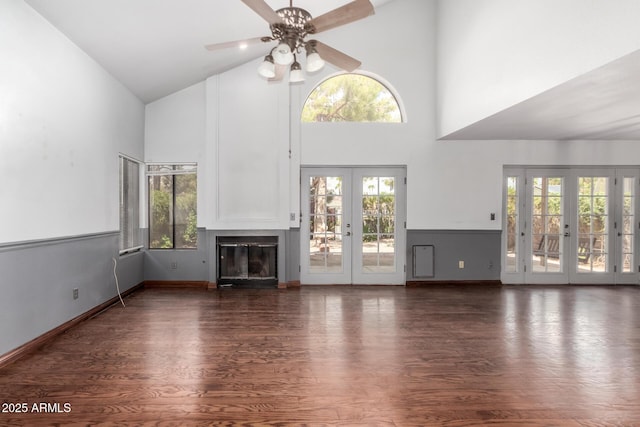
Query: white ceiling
[156, 47]
[603, 104]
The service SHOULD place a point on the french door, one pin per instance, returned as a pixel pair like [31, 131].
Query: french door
[571, 226]
[352, 229]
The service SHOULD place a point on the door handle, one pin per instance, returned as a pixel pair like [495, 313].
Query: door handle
[348, 233]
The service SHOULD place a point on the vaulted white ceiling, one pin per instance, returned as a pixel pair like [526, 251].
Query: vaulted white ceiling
[602, 104]
[156, 47]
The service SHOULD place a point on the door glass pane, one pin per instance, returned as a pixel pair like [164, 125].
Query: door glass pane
[378, 224]
[593, 220]
[511, 264]
[628, 202]
[325, 224]
[547, 225]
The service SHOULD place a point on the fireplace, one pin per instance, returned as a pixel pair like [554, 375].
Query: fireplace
[247, 262]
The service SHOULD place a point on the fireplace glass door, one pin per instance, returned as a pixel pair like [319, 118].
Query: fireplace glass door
[242, 261]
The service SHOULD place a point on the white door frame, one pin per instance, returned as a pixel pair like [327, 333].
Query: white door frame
[532, 273]
[576, 274]
[338, 273]
[351, 228]
[517, 267]
[632, 275]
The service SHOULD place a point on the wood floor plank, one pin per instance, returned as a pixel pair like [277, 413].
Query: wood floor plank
[370, 356]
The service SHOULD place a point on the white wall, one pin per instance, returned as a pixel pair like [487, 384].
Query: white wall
[410, 70]
[175, 127]
[451, 184]
[493, 54]
[63, 121]
[175, 132]
[249, 137]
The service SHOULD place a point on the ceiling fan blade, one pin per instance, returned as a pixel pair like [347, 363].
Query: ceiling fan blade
[238, 43]
[281, 70]
[263, 9]
[350, 12]
[335, 57]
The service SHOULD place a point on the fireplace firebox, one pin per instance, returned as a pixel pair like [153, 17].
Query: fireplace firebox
[247, 262]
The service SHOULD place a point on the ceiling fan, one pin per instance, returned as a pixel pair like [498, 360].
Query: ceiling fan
[290, 27]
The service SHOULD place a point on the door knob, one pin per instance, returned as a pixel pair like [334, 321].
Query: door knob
[348, 233]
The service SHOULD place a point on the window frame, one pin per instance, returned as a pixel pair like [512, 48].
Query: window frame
[171, 173]
[384, 83]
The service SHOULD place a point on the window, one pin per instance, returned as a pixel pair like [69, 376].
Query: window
[130, 237]
[172, 206]
[351, 98]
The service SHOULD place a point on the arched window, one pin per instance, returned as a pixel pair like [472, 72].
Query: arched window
[351, 98]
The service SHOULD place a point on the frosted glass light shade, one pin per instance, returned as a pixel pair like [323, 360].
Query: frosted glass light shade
[282, 54]
[267, 69]
[296, 75]
[314, 62]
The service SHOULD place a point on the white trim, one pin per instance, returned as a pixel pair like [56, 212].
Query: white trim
[133, 159]
[193, 171]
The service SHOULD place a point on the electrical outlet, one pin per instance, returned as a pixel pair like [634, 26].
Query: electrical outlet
[75, 293]
[460, 264]
[174, 265]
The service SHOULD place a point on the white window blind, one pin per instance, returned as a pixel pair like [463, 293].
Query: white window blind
[130, 236]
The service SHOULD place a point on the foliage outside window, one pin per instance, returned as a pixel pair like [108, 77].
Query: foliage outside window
[172, 206]
[378, 209]
[130, 237]
[351, 98]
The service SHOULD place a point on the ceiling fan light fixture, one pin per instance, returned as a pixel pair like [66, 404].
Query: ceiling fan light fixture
[267, 68]
[314, 62]
[290, 27]
[296, 75]
[282, 54]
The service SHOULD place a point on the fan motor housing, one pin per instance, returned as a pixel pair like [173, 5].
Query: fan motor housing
[296, 24]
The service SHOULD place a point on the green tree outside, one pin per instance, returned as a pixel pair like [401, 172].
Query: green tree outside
[351, 98]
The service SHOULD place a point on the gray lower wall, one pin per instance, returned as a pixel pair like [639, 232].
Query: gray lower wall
[200, 264]
[479, 249]
[293, 254]
[178, 264]
[38, 279]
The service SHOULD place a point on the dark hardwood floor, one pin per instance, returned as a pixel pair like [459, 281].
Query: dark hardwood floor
[369, 356]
